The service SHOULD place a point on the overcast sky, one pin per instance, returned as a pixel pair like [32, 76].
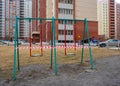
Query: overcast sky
[118, 1]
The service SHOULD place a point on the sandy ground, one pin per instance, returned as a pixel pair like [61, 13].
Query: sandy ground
[106, 73]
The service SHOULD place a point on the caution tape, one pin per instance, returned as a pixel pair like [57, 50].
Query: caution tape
[49, 47]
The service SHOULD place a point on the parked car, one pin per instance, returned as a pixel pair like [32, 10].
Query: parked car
[5, 42]
[110, 42]
[2, 42]
[94, 43]
[20, 41]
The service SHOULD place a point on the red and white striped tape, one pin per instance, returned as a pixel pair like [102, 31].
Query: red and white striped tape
[49, 47]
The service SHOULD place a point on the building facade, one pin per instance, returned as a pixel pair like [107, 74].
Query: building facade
[103, 24]
[25, 11]
[118, 20]
[65, 9]
[108, 18]
[2, 19]
[73, 9]
[39, 11]
[5, 19]
[111, 13]
[8, 10]
[87, 9]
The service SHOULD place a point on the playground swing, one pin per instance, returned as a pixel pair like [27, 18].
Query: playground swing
[70, 49]
[53, 55]
[36, 50]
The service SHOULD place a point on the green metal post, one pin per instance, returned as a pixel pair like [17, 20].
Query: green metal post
[18, 56]
[15, 49]
[83, 44]
[54, 42]
[51, 53]
[88, 37]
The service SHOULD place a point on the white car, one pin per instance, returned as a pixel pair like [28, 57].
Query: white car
[110, 42]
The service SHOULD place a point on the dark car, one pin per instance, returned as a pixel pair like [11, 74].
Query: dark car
[92, 43]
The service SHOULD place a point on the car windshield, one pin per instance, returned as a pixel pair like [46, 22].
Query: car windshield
[112, 40]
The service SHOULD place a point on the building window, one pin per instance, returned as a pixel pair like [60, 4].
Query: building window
[66, 1]
[61, 22]
[61, 32]
[68, 32]
[65, 11]
[70, 22]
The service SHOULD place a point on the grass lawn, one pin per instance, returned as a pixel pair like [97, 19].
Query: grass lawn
[6, 58]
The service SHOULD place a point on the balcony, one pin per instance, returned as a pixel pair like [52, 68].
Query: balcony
[65, 6]
[68, 27]
[68, 37]
[65, 16]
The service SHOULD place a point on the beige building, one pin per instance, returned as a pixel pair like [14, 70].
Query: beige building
[103, 18]
[86, 9]
[118, 20]
[69, 9]
[49, 8]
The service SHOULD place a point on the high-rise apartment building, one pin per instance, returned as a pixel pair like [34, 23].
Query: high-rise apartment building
[6, 14]
[111, 13]
[25, 11]
[8, 10]
[23, 6]
[103, 18]
[2, 18]
[107, 18]
[118, 20]
[12, 18]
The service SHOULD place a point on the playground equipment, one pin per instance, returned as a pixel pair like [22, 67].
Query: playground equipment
[70, 50]
[53, 43]
[35, 37]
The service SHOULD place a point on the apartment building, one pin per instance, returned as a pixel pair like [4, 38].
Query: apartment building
[46, 9]
[69, 9]
[118, 20]
[24, 10]
[6, 27]
[12, 15]
[103, 18]
[65, 9]
[8, 10]
[108, 18]
[86, 9]
[111, 13]
[2, 19]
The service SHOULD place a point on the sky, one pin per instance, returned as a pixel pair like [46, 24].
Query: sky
[115, 0]
[118, 1]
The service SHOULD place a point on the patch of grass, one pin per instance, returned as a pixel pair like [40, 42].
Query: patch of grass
[6, 57]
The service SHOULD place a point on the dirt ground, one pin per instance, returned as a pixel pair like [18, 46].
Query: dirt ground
[106, 73]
